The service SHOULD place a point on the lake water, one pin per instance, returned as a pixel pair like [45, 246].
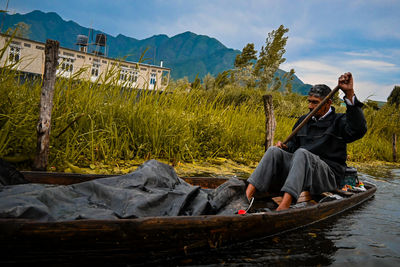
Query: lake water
[368, 235]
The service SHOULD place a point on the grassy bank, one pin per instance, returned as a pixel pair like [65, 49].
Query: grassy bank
[103, 128]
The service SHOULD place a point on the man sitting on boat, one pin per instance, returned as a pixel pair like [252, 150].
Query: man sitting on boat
[314, 159]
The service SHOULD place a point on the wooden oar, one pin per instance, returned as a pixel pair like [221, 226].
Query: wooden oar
[315, 110]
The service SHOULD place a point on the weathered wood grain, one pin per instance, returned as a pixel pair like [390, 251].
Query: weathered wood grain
[46, 105]
[270, 122]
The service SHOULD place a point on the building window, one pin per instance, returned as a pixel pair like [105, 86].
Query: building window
[123, 75]
[15, 54]
[40, 47]
[95, 70]
[133, 76]
[128, 75]
[27, 45]
[67, 64]
[153, 77]
[68, 54]
[79, 56]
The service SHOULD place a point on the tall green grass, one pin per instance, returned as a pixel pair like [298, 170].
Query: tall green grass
[105, 123]
[94, 122]
[377, 143]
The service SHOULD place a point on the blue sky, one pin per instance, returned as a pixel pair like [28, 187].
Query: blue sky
[326, 38]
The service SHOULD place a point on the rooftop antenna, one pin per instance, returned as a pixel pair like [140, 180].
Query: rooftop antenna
[90, 37]
[4, 15]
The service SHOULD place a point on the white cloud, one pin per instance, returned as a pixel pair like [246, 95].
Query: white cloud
[368, 53]
[374, 91]
[313, 66]
[322, 70]
[314, 71]
[373, 64]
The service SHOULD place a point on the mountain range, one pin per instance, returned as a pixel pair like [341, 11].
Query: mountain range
[187, 54]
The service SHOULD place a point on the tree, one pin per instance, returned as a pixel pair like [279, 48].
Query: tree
[276, 84]
[245, 77]
[244, 59]
[261, 74]
[288, 77]
[394, 97]
[243, 74]
[271, 56]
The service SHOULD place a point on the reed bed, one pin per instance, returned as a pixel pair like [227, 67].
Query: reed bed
[94, 122]
[377, 143]
[103, 123]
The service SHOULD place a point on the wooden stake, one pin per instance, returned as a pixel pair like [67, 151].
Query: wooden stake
[46, 105]
[270, 122]
[394, 148]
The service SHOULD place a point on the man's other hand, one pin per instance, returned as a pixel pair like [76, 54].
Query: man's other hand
[281, 145]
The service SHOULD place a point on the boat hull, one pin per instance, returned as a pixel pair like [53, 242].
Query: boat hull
[154, 238]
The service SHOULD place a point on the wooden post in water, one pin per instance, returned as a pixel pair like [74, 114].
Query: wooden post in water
[46, 105]
[270, 122]
[394, 148]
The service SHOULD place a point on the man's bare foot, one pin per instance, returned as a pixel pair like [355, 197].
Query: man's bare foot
[250, 191]
[286, 201]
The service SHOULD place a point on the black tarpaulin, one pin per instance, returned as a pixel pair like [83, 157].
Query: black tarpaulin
[9, 175]
[153, 189]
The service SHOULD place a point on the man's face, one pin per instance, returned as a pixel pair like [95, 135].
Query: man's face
[314, 101]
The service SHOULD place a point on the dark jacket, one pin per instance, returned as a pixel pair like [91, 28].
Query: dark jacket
[328, 137]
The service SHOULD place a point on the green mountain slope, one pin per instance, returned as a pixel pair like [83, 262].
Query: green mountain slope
[187, 54]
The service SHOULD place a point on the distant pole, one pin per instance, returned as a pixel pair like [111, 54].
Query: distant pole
[270, 122]
[46, 105]
[394, 147]
[4, 15]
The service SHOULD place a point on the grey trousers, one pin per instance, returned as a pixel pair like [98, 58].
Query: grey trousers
[281, 171]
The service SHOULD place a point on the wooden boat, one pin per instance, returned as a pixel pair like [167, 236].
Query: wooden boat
[151, 238]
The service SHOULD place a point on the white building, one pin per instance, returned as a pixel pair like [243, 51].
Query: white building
[29, 56]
